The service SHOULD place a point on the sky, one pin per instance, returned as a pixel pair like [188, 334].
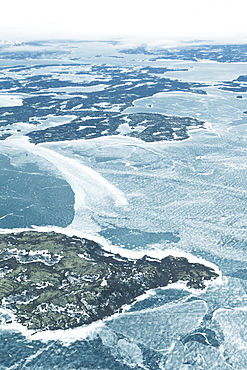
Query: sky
[106, 19]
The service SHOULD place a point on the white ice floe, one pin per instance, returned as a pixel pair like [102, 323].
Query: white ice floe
[124, 128]
[233, 323]
[216, 107]
[159, 327]
[75, 89]
[44, 122]
[212, 71]
[10, 100]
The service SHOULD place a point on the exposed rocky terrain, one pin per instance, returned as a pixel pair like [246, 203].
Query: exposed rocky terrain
[53, 281]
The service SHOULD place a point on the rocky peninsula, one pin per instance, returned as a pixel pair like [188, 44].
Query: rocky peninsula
[53, 281]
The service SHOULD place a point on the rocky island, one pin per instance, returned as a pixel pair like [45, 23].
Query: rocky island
[52, 281]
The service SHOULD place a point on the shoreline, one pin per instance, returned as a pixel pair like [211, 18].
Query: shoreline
[89, 329]
[124, 252]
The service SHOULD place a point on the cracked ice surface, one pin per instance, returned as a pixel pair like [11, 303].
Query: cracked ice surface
[164, 324]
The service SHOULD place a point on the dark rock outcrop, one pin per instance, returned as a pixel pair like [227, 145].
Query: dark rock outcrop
[53, 281]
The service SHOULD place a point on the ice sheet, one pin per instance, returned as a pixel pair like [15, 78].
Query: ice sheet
[196, 187]
[159, 328]
[234, 327]
[195, 190]
[93, 193]
[216, 107]
[10, 100]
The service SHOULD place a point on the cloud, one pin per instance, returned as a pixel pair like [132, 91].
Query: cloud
[103, 18]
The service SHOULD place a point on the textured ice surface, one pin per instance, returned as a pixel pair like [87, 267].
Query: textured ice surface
[93, 193]
[189, 196]
[159, 328]
[194, 189]
[216, 107]
[31, 195]
[189, 333]
[233, 323]
[212, 72]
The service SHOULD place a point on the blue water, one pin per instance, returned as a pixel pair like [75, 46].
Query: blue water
[16, 353]
[101, 351]
[30, 196]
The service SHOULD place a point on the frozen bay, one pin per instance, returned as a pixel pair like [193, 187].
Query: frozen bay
[151, 197]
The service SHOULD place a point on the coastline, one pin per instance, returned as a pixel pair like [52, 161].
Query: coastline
[131, 256]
